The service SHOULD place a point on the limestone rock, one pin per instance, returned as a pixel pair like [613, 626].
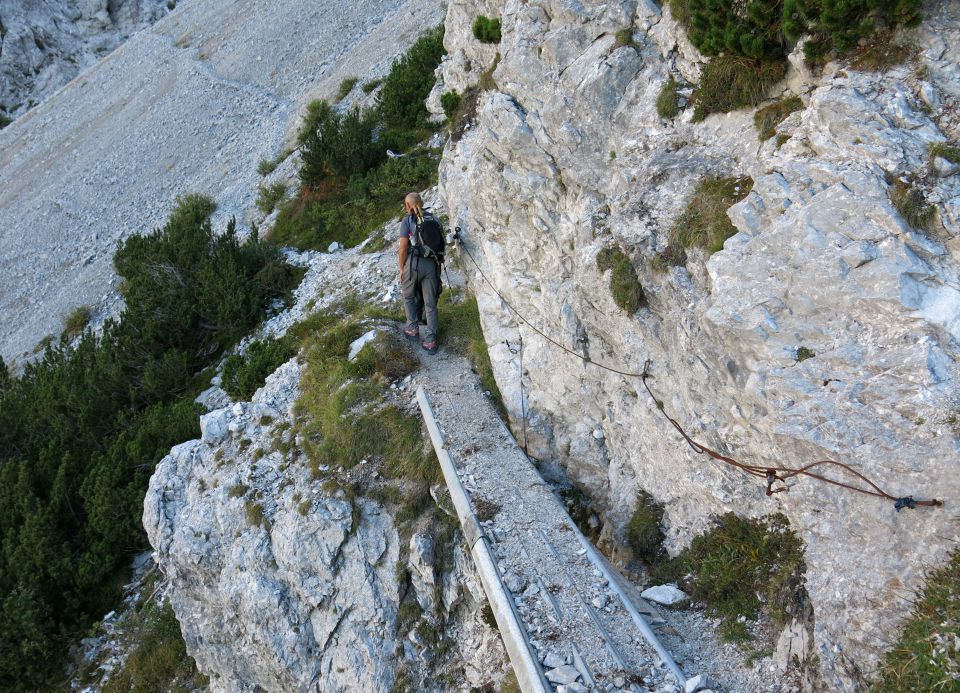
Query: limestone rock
[664, 594]
[700, 682]
[568, 155]
[565, 674]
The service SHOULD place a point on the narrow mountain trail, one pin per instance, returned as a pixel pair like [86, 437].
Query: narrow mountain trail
[577, 622]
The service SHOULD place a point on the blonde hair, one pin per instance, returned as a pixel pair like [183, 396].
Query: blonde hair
[414, 204]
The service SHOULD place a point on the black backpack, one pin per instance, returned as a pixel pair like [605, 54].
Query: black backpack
[430, 238]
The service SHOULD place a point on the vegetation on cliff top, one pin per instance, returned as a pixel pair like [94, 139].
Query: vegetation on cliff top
[349, 185]
[82, 429]
[749, 40]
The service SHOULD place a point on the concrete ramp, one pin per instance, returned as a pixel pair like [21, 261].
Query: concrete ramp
[556, 600]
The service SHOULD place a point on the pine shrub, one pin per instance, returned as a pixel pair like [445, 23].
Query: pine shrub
[244, 373]
[450, 101]
[82, 428]
[644, 534]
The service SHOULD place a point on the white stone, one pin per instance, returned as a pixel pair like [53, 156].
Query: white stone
[699, 682]
[944, 167]
[565, 674]
[664, 594]
[333, 247]
[553, 660]
[360, 342]
[214, 426]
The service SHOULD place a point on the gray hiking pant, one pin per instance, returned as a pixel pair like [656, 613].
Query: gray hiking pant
[421, 280]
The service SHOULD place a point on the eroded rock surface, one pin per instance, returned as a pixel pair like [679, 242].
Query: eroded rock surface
[567, 155]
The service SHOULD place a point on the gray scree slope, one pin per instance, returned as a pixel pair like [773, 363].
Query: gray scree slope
[189, 105]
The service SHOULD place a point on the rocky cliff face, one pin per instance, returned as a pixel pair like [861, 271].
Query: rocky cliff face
[284, 583]
[567, 155]
[43, 45]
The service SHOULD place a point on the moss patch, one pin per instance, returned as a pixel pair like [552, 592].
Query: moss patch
[704, 223]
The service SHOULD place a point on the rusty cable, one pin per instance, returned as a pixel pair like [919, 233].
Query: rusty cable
[771, 474]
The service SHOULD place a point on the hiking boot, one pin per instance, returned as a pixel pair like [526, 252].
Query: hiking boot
[430, 347]
[411, 332]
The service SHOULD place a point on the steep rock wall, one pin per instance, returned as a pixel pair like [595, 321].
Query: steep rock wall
[43, 45]
[567, 155]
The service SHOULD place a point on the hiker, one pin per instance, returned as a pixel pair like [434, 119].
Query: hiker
[420, 252]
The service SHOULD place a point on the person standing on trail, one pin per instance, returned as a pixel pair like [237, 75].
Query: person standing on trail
[419, 273]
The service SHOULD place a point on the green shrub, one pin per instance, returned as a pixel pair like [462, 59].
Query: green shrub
[842, 24]
[244, 373]
[704, 223]
[401, 102]
[77, 320]
[338, 145]
[668, 103]
[83, 427]
[269, 195]
[803, 353]
[741, 566]
[926, 656]
[450, 100]
[644, 534]
[911, 203]
[486, 30]
[728, 83]
[767, 119]
[371, 85]
[349, 212]
[4, 120]
[268, 166]
[346, 86]
[255, 516]
[624, 282]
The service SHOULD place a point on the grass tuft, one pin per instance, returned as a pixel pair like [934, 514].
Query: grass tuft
[704, 223]
[371, 85]
[881, 53]
[668, 103]
[624, 37]
[76, 321]
[460, 329]
[911, 203]
[926, 657]
[728, 83]
[158, 660]
[644, 534]
[346, 86]
[741, 567]
[945, 151]
[803, 353]
[624, 283]
[767, 119]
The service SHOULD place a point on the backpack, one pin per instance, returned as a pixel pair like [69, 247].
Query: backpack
[430, 238]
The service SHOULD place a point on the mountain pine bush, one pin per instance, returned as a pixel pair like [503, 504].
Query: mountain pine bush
[82, 429]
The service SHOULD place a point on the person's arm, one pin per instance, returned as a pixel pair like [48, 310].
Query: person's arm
[402, 249]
